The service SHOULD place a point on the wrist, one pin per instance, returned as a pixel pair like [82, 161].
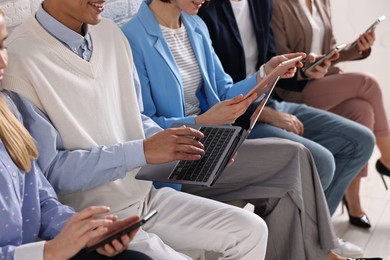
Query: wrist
[48, 251]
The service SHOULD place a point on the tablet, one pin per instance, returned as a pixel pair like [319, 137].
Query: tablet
[336, 49]
[273, 76]
[119, 229]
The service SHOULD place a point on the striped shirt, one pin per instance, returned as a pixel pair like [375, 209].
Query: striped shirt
[187, 63]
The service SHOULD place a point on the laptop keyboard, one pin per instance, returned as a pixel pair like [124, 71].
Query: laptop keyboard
[215, 140]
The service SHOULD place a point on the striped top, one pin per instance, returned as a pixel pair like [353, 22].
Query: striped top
[187, 63]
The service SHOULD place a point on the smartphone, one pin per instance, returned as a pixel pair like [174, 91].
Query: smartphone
[372, 26]
[272, 77]
[336, 49]
[120, 230]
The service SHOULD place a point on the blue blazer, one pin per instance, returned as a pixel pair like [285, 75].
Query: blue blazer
[161, 82]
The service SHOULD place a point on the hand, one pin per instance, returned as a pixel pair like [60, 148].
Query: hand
[174, 144]
[231, 161]
[227, 111]
[116, 246]
[320, 70]
[77, 232]
[282, 120]
[365, 41]
[276, 60]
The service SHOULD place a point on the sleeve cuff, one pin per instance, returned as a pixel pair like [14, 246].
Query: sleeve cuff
[134, 154]
[30, 251]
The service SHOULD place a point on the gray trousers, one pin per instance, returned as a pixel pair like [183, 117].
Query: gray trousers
[280, 179]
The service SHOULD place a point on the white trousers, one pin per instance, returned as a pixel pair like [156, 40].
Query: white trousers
[187, 222]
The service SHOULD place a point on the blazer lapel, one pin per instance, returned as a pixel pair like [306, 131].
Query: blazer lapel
[153, 29]
[196, 40]
[327, 24]
[228, 11]
[304, 22]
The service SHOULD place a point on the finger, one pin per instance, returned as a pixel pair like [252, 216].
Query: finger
[185, 131]
[131, 235]
[108, 248]
[311, 58]
[184, 140]
[295, 54]
[233, 101]
[186, 156]
[298, 126]
[118, 246]
[251, 98]
[189, 149]
[125, 241]
[231, 161]
[90, 211]
[290, 73]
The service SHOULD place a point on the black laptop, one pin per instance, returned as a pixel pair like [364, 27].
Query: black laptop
[220, 142]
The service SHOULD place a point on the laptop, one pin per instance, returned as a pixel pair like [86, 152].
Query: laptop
[220, 142]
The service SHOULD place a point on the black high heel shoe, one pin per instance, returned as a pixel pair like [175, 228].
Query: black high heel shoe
[381, 168]
[362, 221]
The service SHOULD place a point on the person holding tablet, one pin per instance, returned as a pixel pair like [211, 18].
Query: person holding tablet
[73, 80]
[183, 80]
[356, 96]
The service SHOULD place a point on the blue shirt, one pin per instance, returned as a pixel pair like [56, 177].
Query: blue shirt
[81, 45]
[29, 208]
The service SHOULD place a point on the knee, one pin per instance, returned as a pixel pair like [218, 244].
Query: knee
[254, 229]
[326, 166]
[371, 85]
[364, 141]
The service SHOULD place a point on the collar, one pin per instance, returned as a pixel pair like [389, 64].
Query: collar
[67, 36]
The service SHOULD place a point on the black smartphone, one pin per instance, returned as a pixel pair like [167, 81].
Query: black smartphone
[336, 49]
[122, 228]
[372, 26]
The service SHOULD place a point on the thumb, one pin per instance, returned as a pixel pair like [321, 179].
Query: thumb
[311, 57]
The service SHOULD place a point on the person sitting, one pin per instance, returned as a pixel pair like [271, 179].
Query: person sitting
[356, 96]
[74, 82]
[35, 225]
[167, 37]
[244, 42]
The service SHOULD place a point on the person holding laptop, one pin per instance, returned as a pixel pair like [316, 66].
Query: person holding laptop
[354, 95]
[183, 81]
[78, 92]
[34, 224]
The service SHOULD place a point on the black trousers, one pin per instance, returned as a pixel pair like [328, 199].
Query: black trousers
[125, 255]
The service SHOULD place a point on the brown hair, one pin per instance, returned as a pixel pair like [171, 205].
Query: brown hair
[16, 139]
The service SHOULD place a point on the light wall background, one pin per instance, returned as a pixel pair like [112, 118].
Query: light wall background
[350, 18]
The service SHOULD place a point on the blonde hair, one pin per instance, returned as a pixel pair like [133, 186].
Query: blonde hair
[16, 139]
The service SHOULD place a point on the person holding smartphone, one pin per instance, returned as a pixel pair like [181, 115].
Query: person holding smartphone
[356, 96]
[242, 37]
[30, 209]
[73, 79]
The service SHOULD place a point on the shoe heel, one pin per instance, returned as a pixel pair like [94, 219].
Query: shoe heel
[382, 170]
[384, 182]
